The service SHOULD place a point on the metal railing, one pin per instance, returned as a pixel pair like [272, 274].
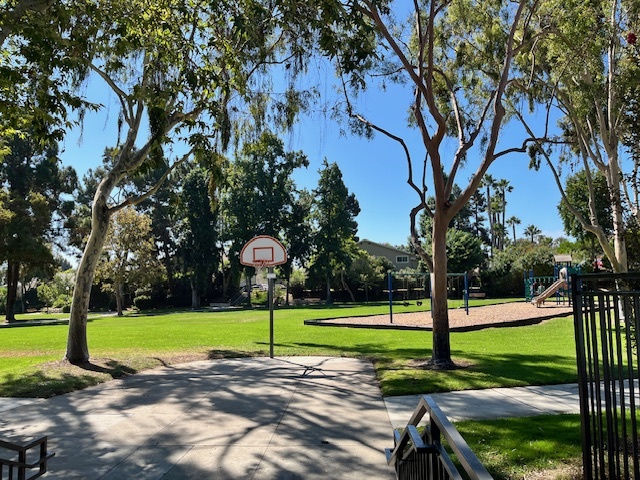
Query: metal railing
[606, 308]
[239, 298]
[422, 456]
[23, 464]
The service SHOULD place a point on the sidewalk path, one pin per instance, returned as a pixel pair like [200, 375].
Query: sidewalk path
[255, 418]
[491, 403]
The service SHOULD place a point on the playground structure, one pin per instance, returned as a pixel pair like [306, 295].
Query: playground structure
[539, 289]
[417, 286]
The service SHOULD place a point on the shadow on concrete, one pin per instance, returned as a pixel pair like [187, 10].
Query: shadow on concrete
[302, 417]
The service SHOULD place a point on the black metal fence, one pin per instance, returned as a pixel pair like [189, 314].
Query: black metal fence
[423, 456]
[24, 461]
[606, 313]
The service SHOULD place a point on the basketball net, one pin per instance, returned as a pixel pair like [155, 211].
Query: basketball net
[260, 267]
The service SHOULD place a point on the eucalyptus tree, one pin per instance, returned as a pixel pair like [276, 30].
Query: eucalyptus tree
[458, 58]
[192, 69]
[590, 85]
[41, 53]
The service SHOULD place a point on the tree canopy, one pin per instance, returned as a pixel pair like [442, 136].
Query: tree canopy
[32, 204]
[333, 213]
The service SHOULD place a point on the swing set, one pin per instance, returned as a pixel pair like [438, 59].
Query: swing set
[417, 286]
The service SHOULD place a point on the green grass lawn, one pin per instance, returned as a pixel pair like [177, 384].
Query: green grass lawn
[30, 357]
[31, 364]
[544, 446]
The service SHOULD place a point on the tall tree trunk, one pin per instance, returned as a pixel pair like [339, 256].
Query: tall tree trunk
[441, 355]
[288, 281]
[168, 264]
[195, 296]
[619, 243]
[119, 290]
[247, 286]
[329, 299]
[13, 275]
[77, 347]
[490, 217]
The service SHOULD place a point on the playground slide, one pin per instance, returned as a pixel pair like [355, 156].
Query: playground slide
[555, 286]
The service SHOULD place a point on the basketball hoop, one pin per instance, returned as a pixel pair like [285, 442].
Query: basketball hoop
[263, 251]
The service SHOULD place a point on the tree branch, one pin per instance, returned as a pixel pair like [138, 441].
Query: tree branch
[132, 201]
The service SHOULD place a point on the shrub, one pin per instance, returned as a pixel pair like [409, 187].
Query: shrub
[3, 300]
[143, 302]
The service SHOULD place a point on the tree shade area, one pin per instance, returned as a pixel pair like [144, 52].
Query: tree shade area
[202, 111]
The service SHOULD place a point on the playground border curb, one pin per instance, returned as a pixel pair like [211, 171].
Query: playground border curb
[324, 322]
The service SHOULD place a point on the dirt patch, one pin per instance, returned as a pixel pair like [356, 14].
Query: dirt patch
[502, 315]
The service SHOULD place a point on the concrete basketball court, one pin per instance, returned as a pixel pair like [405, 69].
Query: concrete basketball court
[252, 418]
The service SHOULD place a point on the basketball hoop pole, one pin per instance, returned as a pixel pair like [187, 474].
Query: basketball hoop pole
[270, 300]
[265, 251]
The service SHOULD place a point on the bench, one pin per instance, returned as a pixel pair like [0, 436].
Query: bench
[477, 294]
[307, 301]
[18, 462]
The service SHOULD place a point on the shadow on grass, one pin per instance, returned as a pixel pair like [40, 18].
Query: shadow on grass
[113, 368]
[401, 371]
[61, 378]
[514, 447]
[217, 354]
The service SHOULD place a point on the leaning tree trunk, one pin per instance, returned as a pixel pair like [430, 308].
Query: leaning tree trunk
[346, 286]
[13, 275]
[441, 354]
[77, 347]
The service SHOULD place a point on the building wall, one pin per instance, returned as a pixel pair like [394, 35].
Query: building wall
[399, 258]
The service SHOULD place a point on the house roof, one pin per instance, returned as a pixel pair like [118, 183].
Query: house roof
[388, 247]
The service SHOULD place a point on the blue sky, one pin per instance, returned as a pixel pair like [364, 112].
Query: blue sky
[375, 170]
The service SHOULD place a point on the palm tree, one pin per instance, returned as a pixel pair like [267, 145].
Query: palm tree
[532, 231]
[489, 182]
[478, 204]
[503, 188]
[501, 233]
[512, 222]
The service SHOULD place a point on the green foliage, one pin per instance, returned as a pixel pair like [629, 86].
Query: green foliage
[261, 198]
[41, 57]
[143, 302]
[32, 184]
[368, 273]
[334, 212]
[197, 232]
[507, 268]
[129, 255]
[57, 291]
[464, 251]
[3, 299]
[576, 190]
